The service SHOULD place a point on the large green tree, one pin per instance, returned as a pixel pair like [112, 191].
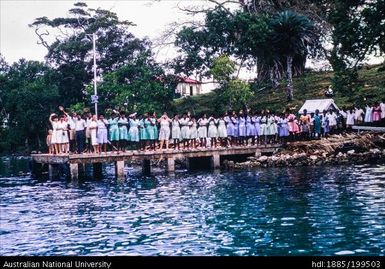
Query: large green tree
[29, 93]
[71, 51]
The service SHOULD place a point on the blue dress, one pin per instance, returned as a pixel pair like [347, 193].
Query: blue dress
[142, 130]
[283, 127]
[241, 126]
[257, 125]
[236, 129]
[123, 133]
[229, 126]
[250, 128]
[113, 129]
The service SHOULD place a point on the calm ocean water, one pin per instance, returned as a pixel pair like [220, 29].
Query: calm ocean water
[336, 210]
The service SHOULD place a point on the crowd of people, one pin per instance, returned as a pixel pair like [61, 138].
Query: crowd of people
[89, 133]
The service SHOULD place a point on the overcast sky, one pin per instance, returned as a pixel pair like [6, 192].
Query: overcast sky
[17, 40]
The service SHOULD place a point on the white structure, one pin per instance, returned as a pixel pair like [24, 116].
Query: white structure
[189, 87]
[320, 104]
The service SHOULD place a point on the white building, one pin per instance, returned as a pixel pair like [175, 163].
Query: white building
[189, 87]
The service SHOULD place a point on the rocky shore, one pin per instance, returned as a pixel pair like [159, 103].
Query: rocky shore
[336, 150]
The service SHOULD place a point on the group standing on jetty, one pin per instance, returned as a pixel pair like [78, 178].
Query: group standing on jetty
[88, 133]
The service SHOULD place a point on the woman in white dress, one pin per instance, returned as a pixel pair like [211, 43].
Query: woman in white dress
[164, 132]
[53, 119]
[368, 114]
[202, 130]
[264, 129]
[350, 119]
[93, 132]
[184, 130]
[213, 131]
[176, 131]
[382, 106]
[193, 132]
[62, 135]
[222, 132]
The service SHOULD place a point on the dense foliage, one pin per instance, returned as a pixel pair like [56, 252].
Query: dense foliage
[273, 37]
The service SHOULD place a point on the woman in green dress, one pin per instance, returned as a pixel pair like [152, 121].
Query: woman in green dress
[113, 130]
[143, 134]
[123, 131]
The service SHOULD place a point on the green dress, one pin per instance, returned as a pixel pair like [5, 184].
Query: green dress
[123, 133]
[143, 130]
[152, 130]
[113, 129]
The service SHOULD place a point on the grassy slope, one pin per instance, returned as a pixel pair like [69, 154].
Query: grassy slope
[370, 87]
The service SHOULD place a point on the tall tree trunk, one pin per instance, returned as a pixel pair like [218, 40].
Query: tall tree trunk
[289, 73]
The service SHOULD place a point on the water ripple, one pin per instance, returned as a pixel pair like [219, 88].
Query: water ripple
[301, 211]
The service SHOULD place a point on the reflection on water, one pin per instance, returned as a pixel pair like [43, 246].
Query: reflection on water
[280, 211]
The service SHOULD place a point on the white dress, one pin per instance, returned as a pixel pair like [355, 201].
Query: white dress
[382, 105]
[193, 131]
[93, 133]
[55, 133]
[164, 132]
[350, 119]
[213, 130]
[62, 134]
[202, 129]
[184, 130]
[368, 114]
[222, 130]
[175, 131]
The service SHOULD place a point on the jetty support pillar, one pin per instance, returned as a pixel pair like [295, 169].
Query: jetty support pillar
[170, 164]
[119, 170]
[216, 161]
[74, 171]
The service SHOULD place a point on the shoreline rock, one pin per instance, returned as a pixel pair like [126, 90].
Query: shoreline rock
[336, 150]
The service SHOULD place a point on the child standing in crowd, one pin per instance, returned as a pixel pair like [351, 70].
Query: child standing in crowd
[49, 143]
[229, 128]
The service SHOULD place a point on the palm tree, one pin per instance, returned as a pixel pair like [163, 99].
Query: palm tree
[293, 36]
